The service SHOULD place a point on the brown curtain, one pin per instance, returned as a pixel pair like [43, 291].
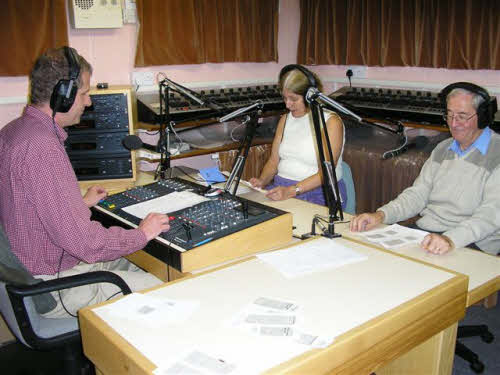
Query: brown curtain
[202, 31]
[27, 29]
[426, 33]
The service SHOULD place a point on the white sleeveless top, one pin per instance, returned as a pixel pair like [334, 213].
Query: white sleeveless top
[298, 152]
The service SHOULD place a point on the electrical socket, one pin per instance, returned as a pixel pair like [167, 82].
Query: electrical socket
[143, 78]
[358, 71]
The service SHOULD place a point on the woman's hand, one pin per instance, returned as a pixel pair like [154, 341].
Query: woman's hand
[256, 182]
[281, 193]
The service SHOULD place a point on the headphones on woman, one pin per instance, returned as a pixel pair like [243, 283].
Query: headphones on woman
[64, 92]
[486, 110]
[305, 71]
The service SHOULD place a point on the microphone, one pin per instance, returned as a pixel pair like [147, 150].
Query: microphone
[419, 143]
[313, 94]
[184, 91]
[133, 142]
[258, 104]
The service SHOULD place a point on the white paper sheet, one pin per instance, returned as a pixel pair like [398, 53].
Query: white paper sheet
[247, 184]
[147, 310]
[394, 236]
[312, 256]
[175, 201]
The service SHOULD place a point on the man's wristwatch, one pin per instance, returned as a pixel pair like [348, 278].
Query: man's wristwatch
[297, 190]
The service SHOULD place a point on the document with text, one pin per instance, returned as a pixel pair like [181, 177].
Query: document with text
[312, 256]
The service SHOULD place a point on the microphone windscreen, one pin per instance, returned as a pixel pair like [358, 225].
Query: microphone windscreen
[132, 142]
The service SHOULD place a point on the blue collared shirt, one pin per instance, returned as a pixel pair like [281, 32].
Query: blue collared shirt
[481, 143]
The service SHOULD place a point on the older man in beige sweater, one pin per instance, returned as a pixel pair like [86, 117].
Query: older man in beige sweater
[457, 191]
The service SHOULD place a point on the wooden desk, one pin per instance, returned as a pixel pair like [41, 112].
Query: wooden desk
[482, 269]
[302, 211]
[375, 311]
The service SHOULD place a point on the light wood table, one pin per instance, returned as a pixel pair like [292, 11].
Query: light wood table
[377, 313]
[482, 269]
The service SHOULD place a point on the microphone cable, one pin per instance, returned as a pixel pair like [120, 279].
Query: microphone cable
[396, 151]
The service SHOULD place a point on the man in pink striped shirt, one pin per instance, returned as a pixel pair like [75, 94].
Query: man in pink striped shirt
[41, 208]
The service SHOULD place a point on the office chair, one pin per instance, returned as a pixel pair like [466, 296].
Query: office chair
[351, 192]
[465, 353]
[23, 300]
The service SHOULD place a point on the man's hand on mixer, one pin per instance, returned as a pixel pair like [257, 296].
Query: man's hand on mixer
[153, 224]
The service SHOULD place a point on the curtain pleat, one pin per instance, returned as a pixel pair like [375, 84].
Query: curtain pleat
[206, 31]
[425, 33]
[27, 29]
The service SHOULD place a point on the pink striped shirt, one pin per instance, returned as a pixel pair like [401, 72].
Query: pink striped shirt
[41, 207]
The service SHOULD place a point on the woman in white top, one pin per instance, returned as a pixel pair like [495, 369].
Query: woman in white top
[293, 168]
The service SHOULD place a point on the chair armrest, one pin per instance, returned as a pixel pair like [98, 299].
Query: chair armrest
[95, 277]
[17, 294]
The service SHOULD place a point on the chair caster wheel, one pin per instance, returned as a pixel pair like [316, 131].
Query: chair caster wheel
[477, 367]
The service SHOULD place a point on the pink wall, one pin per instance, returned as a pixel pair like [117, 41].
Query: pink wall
[112, 54]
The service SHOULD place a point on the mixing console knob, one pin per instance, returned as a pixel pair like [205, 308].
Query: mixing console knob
[187, 228]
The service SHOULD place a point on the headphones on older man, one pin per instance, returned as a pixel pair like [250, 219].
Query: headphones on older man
[305, 71]
[486, 110]
[64, 92]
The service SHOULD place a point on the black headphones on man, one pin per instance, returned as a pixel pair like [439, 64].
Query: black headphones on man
[305, 71]
[64, 92]
[486, 110]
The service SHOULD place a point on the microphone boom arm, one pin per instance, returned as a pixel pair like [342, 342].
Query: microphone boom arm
[313, 94]
[257, 104]
[330, 182]
[183, 90]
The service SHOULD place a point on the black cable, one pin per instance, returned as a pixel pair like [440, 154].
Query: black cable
[59, 291]
[111, 296]
[349, 74]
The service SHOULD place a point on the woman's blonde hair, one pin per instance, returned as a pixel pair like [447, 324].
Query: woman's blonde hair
[297, 81]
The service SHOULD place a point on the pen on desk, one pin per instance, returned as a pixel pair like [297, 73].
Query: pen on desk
[203, 242]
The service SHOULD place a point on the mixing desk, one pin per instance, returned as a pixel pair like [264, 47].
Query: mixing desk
[210, 222]
[227, 99]
[397, 104]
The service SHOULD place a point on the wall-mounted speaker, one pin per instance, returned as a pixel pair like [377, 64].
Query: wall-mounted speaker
[96, 14]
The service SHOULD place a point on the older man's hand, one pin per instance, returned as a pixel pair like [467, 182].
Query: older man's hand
[437, 244]
[366, 221]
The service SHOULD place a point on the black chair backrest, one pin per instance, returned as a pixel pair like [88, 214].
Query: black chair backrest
[12, 271]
